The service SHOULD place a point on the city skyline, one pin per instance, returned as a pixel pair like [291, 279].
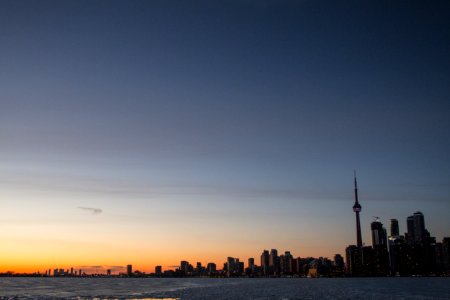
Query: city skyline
[378, 237]
[145, 132]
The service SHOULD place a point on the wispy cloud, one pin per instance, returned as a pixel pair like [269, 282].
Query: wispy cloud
[93, 210]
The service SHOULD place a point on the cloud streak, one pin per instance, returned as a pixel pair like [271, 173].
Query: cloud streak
[93, 210]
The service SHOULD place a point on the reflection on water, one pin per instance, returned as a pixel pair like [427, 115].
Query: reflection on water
[221, 289]
[155, 299]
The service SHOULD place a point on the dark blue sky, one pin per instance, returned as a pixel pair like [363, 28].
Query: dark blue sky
[260, 108]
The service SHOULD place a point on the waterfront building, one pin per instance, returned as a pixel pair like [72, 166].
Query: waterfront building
[265, 262]
[353, 257]
[339, 262]
[274, 262]
[158, 270]
[380, 249]
[184, 267]
[234, 267]
[211, 268]
[286, 262]
[446, 254]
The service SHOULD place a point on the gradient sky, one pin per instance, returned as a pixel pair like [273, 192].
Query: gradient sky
[206, 129]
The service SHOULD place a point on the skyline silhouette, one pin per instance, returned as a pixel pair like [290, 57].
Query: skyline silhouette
[416, 252]
[138, 132]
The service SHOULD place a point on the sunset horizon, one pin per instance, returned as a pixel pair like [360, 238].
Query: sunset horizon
[146, 145]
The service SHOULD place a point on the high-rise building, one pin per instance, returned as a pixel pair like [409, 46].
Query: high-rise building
[251, 263]
[395, 230]
[417, 234]
[184, 267]
[158, 270]
[211, 267]
[129, 270]
[199, 267]
[339, 262]
[265, 262]
[274, 262]
[286, 262]
[380, 259]
[397, 246]
[234, 267]
[379, 238]
[410, 227]
[353, 256]
[446, 254]
[419, 228]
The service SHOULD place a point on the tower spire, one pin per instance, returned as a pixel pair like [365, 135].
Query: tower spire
[357, 209]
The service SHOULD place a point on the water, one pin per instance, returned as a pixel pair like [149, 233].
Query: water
[237, 288]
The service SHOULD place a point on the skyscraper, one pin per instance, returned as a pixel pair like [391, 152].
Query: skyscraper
[379, 238]
[184, 267]
[357, 209]
[380, 249]
[417, 234]
[419, 228]
[274, 261]
[211, 267]
[251, 263]
[265, 262]
[158, 270]
[286, 262]
[395, 231]
[410, 228]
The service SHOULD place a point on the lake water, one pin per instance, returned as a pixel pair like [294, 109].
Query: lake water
[237, 288]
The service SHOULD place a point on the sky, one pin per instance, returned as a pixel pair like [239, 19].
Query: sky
[149, 132]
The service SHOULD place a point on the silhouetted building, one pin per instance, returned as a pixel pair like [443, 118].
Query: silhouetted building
[158, 270]
[129, 270]
[339, 263]
[199, 268]
[265, 262]
[251, 262]
[185, 267]
[446, 254]
[286, 262]
[274, 262]
[395, 230]
[380, 248]
[417, 234]
[398, 251]
[234, 267]
[251, 266]
[211, 268]
[353, 257]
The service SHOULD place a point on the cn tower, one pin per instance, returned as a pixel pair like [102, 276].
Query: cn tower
[357, 209]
